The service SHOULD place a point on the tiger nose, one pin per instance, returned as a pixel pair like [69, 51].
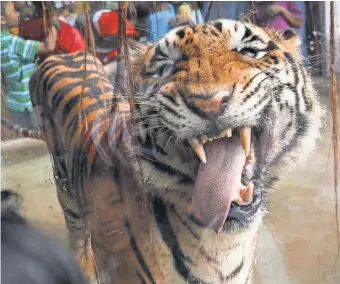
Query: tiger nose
[208, 105]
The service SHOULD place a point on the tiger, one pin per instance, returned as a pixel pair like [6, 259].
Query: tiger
[173, 186]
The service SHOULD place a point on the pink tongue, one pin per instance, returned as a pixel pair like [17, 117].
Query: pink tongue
[218, 181]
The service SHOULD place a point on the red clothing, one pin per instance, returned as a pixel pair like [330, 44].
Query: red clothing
[111, 56]
[69, 39]
[108, 24]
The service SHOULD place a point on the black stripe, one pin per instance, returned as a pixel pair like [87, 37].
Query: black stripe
[73, 126]
[218, 26]
[148, 73]
[204, 97]
[49, 82]
[185, 224]
[270, 47]
[95, 92]
[254, 92]
[296, 69]
[260, 101]
[170, 238]
[148, 144]
[79, 159]
[248, 277]
[180, 33]
[137, 252]
[293, 66]
[169, 122]
[160, 149]
[169, 109]
[253, 38]
[205, 115]
[301, 125]
[171, 99]
[141, 278]
[274, 58]
[250, 81]
[288, 34]
[247, 33]
[236, 271]
[179, 69]
[194, 280]
[308, 102]
[164, 168]
[159, 52]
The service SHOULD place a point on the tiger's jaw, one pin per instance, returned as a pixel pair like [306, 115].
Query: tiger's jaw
[227, 190]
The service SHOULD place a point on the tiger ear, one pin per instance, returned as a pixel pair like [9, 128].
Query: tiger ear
[137, 53]
[291, 41]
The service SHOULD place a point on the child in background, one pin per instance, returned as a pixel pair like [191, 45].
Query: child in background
[69, 39]
[17, 65]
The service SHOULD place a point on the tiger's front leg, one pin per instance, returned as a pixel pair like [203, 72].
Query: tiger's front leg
[79, 238]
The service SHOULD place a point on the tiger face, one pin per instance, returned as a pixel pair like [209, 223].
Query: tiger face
[224, 110]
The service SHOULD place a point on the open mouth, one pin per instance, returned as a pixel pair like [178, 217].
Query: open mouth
[223, 188]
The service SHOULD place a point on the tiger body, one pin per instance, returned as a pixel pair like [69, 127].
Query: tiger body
[150, 226]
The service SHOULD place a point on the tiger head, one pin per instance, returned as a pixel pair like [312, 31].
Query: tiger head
[224, 109]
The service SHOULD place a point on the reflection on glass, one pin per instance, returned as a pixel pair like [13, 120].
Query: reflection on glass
[148, 137]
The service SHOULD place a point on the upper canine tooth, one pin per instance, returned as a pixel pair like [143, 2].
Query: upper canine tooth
[197, 146]
[229, 132]
[245, 135]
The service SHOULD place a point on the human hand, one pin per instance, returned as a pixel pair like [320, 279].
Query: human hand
[51, 38]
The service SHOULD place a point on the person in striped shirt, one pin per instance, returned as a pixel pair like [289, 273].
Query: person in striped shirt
[18, 63]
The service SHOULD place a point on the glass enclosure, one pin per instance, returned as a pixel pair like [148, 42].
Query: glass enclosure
[122, 131]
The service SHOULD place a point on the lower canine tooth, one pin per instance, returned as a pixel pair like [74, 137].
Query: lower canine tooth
[197, 146]
[245, 135]
[247, 194]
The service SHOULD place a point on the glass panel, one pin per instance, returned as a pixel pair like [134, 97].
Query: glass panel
[171, 142]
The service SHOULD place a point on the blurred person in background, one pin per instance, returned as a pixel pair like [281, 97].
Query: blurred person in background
[280, 15]
[26, 9]
[69, 39]
[18, 63]
[70, 15]
[27, 257]
[105, 27]
[283, 15]
[233, 10]
[186, 15]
